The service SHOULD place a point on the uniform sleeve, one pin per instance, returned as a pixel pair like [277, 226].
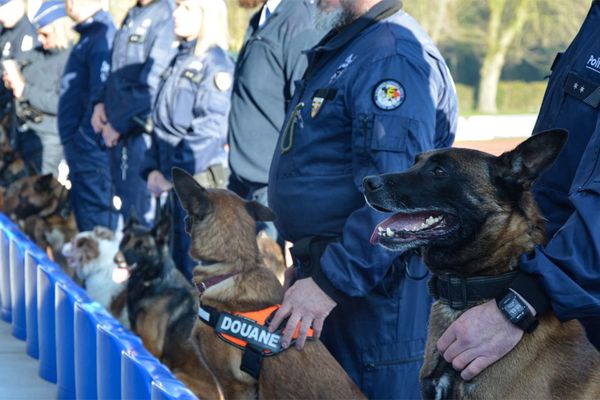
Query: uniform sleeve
[99, 64]
[42, 96]
[143, 94]
[211, 110]
[568, 265]
[393, 107]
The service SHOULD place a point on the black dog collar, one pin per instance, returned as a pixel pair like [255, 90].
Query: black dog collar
[460, 293]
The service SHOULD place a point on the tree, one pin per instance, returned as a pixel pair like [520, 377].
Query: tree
[505, 24]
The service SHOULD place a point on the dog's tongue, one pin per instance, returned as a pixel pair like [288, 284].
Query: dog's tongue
[399, 222]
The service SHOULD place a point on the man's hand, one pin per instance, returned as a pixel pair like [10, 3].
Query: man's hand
[15, 82]
[306, 304]
[99, 117]
[157, 183]
[110, 135]
[477, 339]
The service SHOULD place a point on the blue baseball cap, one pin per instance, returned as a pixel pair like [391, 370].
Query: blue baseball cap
[49, 12]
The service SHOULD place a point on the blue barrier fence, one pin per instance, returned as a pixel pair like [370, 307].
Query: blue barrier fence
[79, 345]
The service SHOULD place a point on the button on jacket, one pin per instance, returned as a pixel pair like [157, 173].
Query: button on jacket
[374, 96]
[569, 192]
[142, 50]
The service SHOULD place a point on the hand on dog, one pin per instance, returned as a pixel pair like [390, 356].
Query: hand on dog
[306, 305]
[99, 118]
[15, 82]
[477, 339]
[110, 135]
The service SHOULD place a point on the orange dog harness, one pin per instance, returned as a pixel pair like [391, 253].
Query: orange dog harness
[249, 332]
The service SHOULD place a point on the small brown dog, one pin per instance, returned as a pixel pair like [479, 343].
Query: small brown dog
[473, 215]
[223, 227]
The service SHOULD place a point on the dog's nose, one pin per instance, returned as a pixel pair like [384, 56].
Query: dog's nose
[373, 183]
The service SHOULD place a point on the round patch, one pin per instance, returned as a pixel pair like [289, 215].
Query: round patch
[223, 81]
[389, 95]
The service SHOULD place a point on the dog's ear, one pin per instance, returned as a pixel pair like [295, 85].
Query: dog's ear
[260, 212]
[103, 233]
[161, 231]
[44, 183]
[188, 190]
[530, 158]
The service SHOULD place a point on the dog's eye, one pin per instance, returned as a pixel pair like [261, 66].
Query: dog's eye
[439, 171]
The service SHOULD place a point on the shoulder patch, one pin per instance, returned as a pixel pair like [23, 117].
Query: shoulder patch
[389, 95]
[223, 81]
[27, 43]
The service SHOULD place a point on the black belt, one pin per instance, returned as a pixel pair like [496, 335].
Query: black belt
[460, 293]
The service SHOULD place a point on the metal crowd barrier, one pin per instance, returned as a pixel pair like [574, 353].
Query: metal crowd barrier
[80, 347]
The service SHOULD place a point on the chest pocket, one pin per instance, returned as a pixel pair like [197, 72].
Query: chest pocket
[183, 105]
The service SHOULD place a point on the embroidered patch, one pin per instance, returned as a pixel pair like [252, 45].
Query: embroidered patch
[223, 81]
[340, 70]
[27, 43]
[317, 102]
[389, 95]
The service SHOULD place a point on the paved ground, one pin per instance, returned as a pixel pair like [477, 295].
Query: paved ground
[19, 378]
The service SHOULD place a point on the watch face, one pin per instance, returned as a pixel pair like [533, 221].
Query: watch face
[514, 308]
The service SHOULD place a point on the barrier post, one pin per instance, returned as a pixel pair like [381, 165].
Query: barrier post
[19, 243]
[5, 302]
[33, 257]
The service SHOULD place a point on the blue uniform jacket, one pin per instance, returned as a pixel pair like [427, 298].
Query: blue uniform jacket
[84, 77]
[142, 50]
[190, 114]
[374, 96]
[569, 192]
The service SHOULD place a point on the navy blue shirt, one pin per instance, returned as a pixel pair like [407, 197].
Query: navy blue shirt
[374, 96]
[142, 50]
[569, 192]
[85, 74]
[190, 114]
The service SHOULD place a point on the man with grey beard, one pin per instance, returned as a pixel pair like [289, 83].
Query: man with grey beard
[375, 94]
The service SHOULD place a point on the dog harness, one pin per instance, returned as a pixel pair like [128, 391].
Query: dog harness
[249, 332]
[460, 293]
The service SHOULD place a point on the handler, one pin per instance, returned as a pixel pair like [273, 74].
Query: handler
[376, 93]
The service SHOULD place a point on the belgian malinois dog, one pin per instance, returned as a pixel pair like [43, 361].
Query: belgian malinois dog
[223, 231]
[40, 205]
[161, 304]
[473, 214]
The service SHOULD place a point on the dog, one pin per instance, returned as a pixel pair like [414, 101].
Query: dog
[222, 227]
[473, 214]
[12, 166]
[91, 255]
[161, 304]
[40, 205]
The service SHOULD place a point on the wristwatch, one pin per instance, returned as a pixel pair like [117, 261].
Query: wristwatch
[516, 311]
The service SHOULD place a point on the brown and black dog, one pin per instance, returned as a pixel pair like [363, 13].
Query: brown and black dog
[161, 304]
[473, 214]
[222, 227]
[40, 205]
[12, 166]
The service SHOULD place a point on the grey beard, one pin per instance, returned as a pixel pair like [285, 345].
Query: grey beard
[328, 20]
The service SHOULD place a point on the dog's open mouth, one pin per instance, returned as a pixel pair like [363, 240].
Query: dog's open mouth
[408, 227]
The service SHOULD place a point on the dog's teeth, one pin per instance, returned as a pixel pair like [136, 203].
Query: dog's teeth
[380, 229]
[389, 231]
